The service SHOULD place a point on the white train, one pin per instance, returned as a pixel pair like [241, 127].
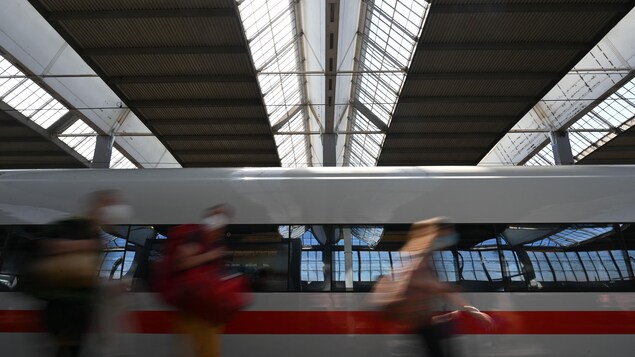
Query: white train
[547, 252]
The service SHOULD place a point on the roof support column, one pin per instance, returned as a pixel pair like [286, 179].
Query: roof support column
[561, 147]
[103, 152]
[329, 139]
[329, 143]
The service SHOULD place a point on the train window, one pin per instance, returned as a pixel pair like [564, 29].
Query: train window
[261, 253]
[310, 261]
[445, 265]
[571, 257]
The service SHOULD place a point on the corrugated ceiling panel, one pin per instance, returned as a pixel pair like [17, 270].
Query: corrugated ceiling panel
[514, 27]
[168, 91]
[620, 150]
[490, 60]
[221, 145]
[449, 127]
[218, 129]
[96, 5]
[176, 65]
[439, 142]
[229, 159]
[457, 109]
[467, 87]
[159, 32]
[440, 157]
[533, 2]
[205, 112]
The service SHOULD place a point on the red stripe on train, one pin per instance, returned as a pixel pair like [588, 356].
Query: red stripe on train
[360, 322]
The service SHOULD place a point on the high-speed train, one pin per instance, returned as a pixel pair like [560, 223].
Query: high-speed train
[547, 252]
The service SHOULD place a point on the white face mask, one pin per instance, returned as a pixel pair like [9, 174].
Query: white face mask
[114, 214]
[215, 221]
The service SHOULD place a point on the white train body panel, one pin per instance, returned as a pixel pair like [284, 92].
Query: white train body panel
[346, 196]
[334, 195]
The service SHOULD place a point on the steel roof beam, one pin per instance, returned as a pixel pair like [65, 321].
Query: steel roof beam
[452, 119]
[225, 138]
[370, 116]
[493, 7]
[222, 152]
[276, 127]
[206, 121]
[181, 79]
[501, 46]
[444, 135]
[63, 123]
[138, 14]
[483, 76]
[184, 103]
[419, 162]
[432, 150]
[186, 50]
[475, 99]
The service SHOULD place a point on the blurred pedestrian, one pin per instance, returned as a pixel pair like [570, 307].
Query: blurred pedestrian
[65, 271]
[413, 295]
[194, 280]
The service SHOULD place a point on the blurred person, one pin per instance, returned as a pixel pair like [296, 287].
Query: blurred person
[65, 271]
[412, 297]
[193, 280]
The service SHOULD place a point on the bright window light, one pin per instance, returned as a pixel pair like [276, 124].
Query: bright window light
[389, 39]
[119, 161]
[81, 138]
[544, 157]
[270, 28]
[594, 129]
[27, 97]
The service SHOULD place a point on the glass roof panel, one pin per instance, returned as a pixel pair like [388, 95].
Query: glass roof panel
[27, 97]
[598, 126]
[270, 28]
[119, 161]
[544, 157]
[81, 138]
[389, 38]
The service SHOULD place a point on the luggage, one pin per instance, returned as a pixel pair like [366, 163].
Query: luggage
[206, 290]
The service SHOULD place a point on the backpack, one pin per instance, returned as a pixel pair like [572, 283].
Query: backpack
[206, 290]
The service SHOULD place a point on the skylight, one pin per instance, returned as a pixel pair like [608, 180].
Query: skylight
[27, 97]
[614, 114]
[544, 157]
[270, 28]
[389, 37]
[119, 161]
[81, 138]
[35, 103]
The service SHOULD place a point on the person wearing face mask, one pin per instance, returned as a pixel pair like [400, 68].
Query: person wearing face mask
[191, 278]
[411, 298]
[64, 273]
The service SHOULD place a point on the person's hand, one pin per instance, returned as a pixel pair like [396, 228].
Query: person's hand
[484, 318]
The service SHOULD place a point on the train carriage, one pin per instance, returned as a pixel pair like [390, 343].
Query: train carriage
[547, 252]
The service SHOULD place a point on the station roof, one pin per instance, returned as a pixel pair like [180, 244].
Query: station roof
[255, 83]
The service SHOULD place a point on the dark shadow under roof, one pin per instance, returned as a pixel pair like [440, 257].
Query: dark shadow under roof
[480, 66]
[25, 145]
[184, 69]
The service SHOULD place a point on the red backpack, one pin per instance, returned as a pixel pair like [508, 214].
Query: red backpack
[206, 290]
